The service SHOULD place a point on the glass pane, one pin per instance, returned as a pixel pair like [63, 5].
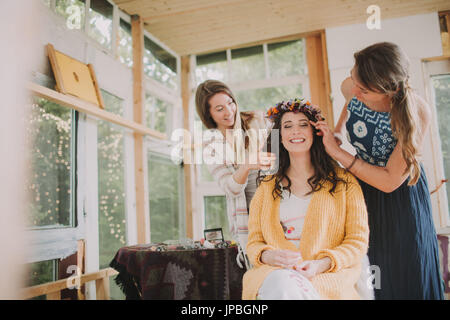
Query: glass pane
[125, 44]
[247, 64]
[73, 11]
[286, 58]
[263, 99]
[39, 273]
[206, 176]
[111, 188]
[441, 85]
[49, 184]
[160, 65]
[212, 66]
[100, 21]
[156, 113]
[113, 103]
[216, 214]
[167, 220]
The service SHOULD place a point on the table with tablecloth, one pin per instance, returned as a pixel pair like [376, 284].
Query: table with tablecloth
[179, 273]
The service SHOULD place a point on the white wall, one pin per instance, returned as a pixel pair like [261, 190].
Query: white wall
[418, 36]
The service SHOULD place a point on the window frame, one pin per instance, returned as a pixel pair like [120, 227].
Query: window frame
[53, 242]
[432, 67]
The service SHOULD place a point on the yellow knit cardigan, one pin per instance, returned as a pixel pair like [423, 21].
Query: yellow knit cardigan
[335, 226]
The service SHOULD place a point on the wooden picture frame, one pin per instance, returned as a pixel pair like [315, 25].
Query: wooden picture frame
[214, 235]
[74, 77]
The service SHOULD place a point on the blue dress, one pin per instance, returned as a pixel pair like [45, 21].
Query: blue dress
[403, 247]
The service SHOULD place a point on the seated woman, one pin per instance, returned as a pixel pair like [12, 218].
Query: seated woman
[308, 228]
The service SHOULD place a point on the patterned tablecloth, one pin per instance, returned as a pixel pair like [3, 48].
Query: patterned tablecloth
[178, 274]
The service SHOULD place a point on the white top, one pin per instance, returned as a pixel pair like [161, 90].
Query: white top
[292, 215]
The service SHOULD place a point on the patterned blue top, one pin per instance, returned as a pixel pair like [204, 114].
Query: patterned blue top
[370, 133]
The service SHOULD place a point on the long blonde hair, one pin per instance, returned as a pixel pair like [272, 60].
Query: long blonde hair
[383, 67]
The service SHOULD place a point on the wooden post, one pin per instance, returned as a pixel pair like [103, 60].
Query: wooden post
[80, 266]
[187, 167]
[137, 35]
[319, 76]
[54, 295]
[102, 288]
[447, 22]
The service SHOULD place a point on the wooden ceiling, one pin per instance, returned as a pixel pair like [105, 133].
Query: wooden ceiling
[200, 26]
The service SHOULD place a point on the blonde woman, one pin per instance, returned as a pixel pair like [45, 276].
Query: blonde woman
[308, 230]
[232, 137]
[386, 122]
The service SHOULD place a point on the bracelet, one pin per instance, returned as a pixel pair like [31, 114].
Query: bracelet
[353, 162]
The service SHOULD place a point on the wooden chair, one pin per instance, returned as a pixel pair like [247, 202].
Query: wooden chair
[53, 289]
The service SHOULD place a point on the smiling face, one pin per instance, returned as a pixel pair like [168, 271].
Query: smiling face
[223, 110]
[296, 132]
[363, 94]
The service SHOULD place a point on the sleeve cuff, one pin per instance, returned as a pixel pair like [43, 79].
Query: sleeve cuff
[257, 261]
[235, 187]
[328, 254]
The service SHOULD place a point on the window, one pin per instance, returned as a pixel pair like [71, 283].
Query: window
[157, 113]
[159, 64]
[100, 22]
[111, 188]
[41, 272]
[261, 75]
[441, 88]
[286, 58]
[247, 64]
[73, 11]
[263, 98]
[212, 66]
[165, 181]
[52, 165]
[125, 46]
[436, 154]
[216, 214]
[51, 185]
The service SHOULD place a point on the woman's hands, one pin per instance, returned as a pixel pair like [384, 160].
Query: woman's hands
[281, 258]
[262, 161]
[330, 141]
[289, 259]
[311, 268]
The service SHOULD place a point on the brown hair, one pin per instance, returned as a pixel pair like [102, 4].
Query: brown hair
[325, 166]
[384, 68]
[205, 91]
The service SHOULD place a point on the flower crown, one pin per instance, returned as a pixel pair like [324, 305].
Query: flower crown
[295, 105]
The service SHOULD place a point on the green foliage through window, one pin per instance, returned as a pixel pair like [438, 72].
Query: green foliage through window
[125, 46]
[159, 64]
[216, 214]
[40, 272]
[49, 183]
[111, 188]
[156, 113]
[100, 22]
[264, 98]
[73, 11]
[441, 85]
[165, 181]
